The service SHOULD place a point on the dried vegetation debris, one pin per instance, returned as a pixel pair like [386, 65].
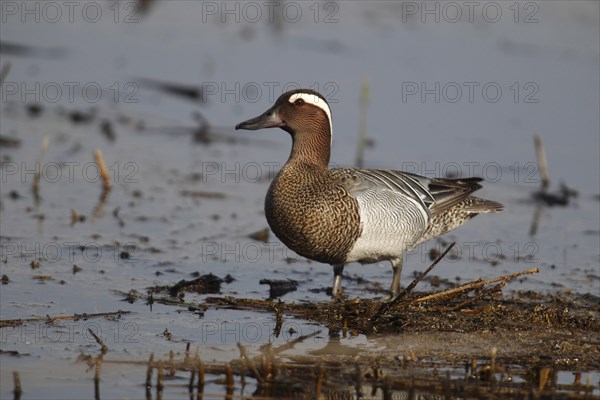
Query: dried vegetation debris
[524, 311]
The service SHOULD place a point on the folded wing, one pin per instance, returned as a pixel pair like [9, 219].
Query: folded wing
[436, 195]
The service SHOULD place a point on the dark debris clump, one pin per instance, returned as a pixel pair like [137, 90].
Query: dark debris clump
[205, 284]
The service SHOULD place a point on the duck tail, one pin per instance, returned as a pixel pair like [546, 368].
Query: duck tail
[479, 205]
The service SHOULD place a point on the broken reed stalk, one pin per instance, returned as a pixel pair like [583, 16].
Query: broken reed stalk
[106, 182]
[267, 362]
[16, 322]
[149, 373]
[172, 369]
[474, 285]
[362, 124]
[98, 208]
[544, 375]
[192, 378]
[229, 381]
[386, 306]
[475, 298]
[97, 372]
[541, 159]
[103, 347]
[17, 384]
[187, 359]
[38, 170]
[537, 213]
[200, 377]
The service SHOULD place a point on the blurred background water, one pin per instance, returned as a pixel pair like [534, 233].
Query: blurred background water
[454, 88]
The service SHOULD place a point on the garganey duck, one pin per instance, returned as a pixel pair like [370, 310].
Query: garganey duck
[339, 216]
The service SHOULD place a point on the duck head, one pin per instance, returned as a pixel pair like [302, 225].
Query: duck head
[296, 111]
[306, 116]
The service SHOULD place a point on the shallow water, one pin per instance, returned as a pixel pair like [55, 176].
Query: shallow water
[428, 112]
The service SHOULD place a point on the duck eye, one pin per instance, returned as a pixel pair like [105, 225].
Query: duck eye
[299, 102]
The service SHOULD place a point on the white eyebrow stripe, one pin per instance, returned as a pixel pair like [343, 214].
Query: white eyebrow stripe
[316, 101]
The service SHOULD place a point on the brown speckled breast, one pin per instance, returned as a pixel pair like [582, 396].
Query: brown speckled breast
[312, 215]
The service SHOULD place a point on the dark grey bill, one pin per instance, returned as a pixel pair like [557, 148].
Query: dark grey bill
[269, 119]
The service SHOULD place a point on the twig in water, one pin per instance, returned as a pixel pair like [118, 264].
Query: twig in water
[101, 202]
[38, 170]
[537, 213]
[17, 322]
[172, 369]
[200, 377]
[103, 347]
[229, 382]
[186, 360]
[106, 182]
[97, 371]
[149, 375]
[267, 361]
[191, 381]
[17, 383]
[542, 163]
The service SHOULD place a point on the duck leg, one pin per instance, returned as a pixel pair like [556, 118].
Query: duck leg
[397, 268]
[337, 280]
